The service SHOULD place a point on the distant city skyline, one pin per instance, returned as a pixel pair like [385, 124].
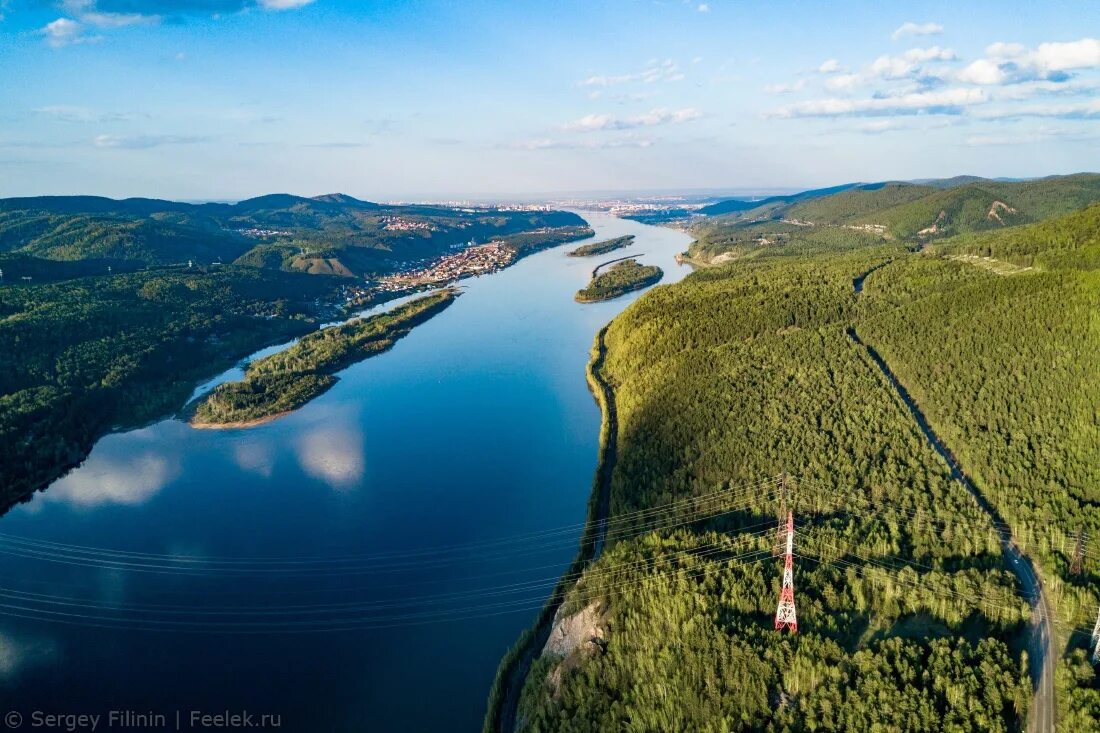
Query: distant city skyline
[226, 99]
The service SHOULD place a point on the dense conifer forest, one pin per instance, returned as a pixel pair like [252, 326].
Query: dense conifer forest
[909, 616]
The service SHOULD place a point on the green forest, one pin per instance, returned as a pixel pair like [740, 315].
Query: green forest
[79, 357]
[290, 378]
[927, 210]
[909, 616]
[619, 278]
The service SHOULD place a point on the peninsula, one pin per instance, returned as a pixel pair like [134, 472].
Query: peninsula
[282, 382]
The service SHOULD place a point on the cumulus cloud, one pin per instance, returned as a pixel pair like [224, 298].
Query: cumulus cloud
[908, 63]
[703, 8]
[1013, 63]
[916, 29]
[661, 116]
[65, 32]
[830, 66]
[942, 102]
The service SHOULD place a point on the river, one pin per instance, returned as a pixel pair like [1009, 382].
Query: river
[224, 560]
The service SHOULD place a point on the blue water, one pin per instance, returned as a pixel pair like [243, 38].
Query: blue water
[475, 427]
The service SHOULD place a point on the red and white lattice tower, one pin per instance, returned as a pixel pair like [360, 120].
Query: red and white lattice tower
[784, 614]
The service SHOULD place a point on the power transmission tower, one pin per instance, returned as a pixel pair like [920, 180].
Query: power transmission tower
[785, 616]
[1078, 553]
[1096, 640]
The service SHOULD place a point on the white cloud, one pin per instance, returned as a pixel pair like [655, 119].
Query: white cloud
[917, 29]
[1089, 110]
[796, 86]
[830, 66]
[843, 83]
[909, 63]
[703, 8]
[661, 116]
[947, 101]
[63, 32]
[1013, 63]
[654, 71]
[118, 20]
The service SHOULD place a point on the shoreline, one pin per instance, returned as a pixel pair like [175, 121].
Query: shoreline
[239, 423]
[511, 676]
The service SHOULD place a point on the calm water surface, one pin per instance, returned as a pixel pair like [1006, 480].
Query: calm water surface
[477, 426]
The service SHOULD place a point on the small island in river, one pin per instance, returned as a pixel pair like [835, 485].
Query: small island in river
[622, 277]
[282, 382]
[602, 248]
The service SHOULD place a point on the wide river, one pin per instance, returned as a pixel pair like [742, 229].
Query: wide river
[339, 567]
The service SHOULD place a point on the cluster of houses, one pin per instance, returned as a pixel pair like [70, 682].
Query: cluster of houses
[477, 260]
[261, 232]
[401, 224]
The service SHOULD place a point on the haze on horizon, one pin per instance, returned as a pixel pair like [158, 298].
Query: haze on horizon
[206, 99]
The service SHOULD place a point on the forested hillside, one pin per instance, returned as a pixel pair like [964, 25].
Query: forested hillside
[908, 616]
[925, 211]
[331, 234]
[79, 357]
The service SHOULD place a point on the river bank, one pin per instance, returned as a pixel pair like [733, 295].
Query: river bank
[512, 675]
[476, 427]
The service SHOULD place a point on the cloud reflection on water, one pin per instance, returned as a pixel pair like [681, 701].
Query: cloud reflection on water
[18, 652]
[332, 453]
[115, 477]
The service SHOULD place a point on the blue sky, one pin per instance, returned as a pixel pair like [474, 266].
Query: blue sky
[408, 100]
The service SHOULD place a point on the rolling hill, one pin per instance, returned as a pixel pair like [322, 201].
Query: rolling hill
[921, 211]
[330, 234]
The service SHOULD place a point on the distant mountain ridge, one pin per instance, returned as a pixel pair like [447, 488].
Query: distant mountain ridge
[331, 234]
[925, 210]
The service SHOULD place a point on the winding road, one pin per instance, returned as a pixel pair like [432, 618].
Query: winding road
[1040, 645]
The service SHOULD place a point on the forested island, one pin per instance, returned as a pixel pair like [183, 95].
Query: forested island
[601, 248]
[619, 278]
[285, 381]
[910, 613]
